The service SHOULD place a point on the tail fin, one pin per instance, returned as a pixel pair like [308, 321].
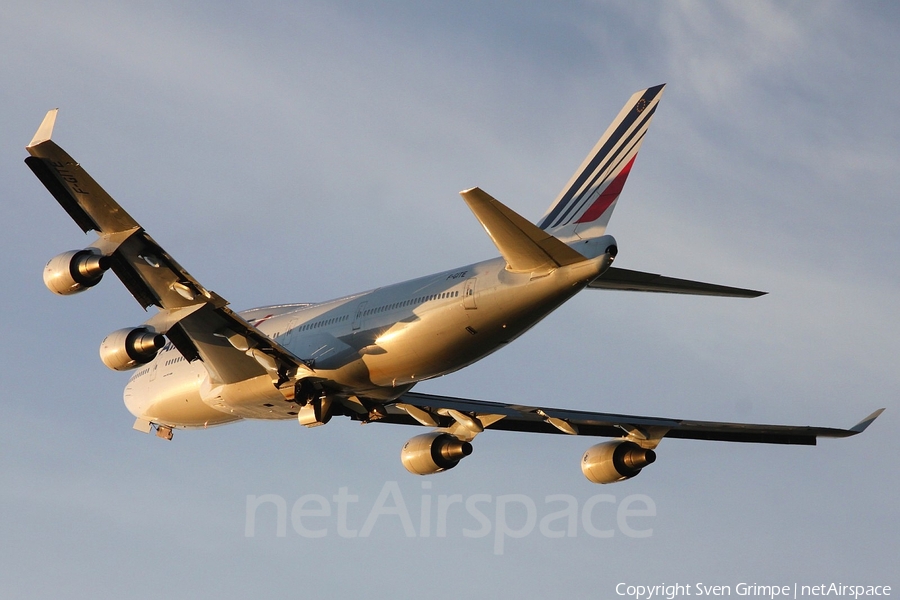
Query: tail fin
[584, 205]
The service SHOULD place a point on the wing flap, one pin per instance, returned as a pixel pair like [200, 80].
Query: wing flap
[615, 278]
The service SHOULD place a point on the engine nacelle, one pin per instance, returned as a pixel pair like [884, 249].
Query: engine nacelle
[610, 462]
[433, 452]
[130, 347]
[75, 271]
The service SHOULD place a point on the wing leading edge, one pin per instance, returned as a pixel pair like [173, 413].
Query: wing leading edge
[466, 418]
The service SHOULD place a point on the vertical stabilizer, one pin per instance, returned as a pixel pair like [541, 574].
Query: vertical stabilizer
[585, 204]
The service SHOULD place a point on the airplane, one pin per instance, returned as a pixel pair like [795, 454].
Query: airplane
[199, 364]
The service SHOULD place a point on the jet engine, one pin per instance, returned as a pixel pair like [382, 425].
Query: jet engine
[75, 271]
[130, 347]
[610, 462]
[433, 452]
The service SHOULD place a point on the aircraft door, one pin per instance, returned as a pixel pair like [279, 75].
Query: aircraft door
[289, 333]
[358, 319]
[469, 294]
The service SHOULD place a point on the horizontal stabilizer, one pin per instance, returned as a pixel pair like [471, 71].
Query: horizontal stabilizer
[638, 281]
[525, 246]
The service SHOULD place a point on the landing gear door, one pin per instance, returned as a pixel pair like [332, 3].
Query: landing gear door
[469, 294]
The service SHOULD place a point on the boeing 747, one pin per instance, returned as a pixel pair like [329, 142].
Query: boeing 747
[197, 363]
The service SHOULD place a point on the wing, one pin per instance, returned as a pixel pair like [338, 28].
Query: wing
[638, 281]
[197, 321]
[466, 418]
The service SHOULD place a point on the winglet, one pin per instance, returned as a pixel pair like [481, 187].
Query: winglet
[45, 131]
[861, 426]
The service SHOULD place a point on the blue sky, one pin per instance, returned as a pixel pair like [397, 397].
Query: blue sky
[300, 151]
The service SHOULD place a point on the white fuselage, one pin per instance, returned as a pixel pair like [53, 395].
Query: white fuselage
[376, 344]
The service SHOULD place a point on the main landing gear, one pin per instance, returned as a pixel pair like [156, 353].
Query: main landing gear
[315, 405]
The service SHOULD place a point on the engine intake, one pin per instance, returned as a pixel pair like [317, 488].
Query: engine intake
[610, 462]
[75, 271]
[128, 348]
[434, 452]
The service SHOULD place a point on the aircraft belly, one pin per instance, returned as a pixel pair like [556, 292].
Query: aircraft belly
[186, 413]
[255, 398]
[173, 400]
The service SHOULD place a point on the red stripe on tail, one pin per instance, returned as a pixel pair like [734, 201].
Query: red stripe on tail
[608, 196]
